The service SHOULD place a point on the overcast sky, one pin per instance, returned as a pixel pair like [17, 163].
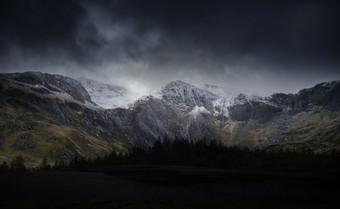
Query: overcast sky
[256, 46]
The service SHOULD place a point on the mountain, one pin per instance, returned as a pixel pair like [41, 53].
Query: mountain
[53, 116]
[192, 113]
[60, 117]
[51, 84]
[105, 95]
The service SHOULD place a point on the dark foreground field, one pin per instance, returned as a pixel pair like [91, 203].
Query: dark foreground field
[168, 187]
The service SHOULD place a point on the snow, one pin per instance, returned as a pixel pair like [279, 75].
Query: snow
[230, 97]
[180, 92]
[221, 106]
[226, 98]
[153, 95]
[156, 94]
[189, 99]
[107, 96]
[198, 110]
[209, 99]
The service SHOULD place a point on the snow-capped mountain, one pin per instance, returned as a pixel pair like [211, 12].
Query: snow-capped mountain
[181, 110]
[180, 92]
[210, 99]
[53, 108]
[107, 95]
[187, 97]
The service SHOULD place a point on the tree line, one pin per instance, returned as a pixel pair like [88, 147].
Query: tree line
[202, 153]
[214, 154]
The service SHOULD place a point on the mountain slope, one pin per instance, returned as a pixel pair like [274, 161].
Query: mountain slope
[38, 120]
[192, 113]
[107, 96]
[47, 84]
[55, 116]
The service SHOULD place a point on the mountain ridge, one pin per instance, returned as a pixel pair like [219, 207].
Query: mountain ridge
[29, 108]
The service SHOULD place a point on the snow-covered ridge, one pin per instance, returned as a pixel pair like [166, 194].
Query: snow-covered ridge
[107, 95]
[230, 97]
[180, 92]
[209, 99]
[184, 96]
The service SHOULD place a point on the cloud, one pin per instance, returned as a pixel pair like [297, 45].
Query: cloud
[263, 46]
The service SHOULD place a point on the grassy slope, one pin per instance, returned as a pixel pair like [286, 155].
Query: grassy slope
[317, 130]
[35, 139]
[36, 134]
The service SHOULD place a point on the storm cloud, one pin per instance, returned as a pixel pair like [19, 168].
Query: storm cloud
[258, 46]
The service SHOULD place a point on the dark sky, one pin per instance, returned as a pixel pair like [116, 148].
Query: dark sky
[256, 46]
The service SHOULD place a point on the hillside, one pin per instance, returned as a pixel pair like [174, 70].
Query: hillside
[53, 116]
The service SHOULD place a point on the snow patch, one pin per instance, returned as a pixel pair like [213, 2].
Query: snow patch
[107, 96]
[198, 110]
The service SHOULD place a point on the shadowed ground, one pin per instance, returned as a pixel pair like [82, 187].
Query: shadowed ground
[168, 187]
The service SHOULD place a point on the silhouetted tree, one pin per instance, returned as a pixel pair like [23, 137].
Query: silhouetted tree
[44, 164]
[214, 154]
[60, 163]
[4, 167]
[18, 163]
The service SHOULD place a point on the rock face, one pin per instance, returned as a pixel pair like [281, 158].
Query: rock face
[323, 94]
[46, 83]
[39, 109]
[183, 111]
[254, 110]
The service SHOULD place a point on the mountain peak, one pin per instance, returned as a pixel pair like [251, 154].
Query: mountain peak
[180, 92]
[178, 83]
[181, 87]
